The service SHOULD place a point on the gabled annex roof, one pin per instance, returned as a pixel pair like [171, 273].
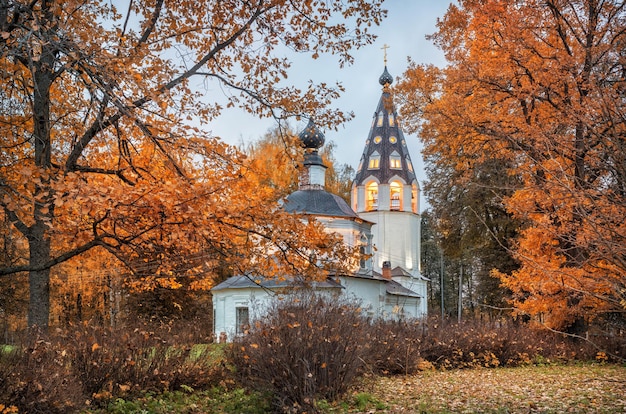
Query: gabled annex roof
[247, 282]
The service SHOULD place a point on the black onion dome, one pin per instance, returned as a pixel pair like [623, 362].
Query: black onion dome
[311, 137]
[385, 78]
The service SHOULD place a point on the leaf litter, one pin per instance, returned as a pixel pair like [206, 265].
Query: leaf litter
[532, 389]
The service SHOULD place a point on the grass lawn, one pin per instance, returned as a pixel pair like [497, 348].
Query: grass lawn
[585, 388]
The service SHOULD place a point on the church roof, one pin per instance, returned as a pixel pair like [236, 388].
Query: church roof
[391, 286]
[385, 142]
[247, 282]
[318, 202]
[395, 288]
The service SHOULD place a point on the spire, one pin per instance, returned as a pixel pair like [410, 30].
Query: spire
[385, 155]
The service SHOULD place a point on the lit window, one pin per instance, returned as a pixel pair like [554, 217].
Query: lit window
[395, 161]
[414, 199]
[396, 195]
[408, 164]
[391, 120]
[380, 119]
[393, 139]
[242, 319]
[374, 162]
[372, 196]
[377, 139]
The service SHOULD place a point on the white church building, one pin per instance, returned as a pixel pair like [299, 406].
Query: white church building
[382, 218]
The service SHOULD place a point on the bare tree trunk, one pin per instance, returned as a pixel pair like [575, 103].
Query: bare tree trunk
[43, 208]
[39, 282]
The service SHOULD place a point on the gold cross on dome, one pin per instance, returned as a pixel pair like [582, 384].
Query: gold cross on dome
[384, 48]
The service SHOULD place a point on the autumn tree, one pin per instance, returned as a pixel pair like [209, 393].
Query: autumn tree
[278, 157]
[104, 125]
[537, 87]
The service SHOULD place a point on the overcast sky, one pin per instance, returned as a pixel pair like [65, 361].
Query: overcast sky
[404, 30]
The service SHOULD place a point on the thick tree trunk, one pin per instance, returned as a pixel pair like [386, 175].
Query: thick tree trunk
[39, 280]
[43, 208]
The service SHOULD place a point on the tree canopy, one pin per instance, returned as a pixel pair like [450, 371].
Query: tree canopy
[105, 149]
[537, 89]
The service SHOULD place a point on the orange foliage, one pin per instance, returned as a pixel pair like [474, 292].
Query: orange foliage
[100, 147]
[539, 85]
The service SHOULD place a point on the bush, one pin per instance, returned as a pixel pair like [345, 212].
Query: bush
[37, 378]
[64, 372]
[308, 347]
[405, 347]
[113, 363]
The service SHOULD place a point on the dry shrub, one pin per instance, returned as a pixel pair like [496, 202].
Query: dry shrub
[122, 362]
[37, 378]
[404, 347]
[308, 347]
[92, 365]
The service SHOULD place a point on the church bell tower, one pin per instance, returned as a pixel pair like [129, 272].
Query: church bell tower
[386, 192]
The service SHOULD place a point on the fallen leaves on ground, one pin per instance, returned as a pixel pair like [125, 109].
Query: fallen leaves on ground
[533, 389]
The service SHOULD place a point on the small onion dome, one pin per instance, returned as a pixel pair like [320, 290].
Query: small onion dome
[311, 137]
[385, 78]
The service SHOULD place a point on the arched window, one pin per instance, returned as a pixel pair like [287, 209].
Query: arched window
[371, 202]
[362, 257]
[395, 189]
[391, 120]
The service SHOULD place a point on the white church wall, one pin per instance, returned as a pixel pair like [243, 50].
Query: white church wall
[256, 300]
[227, 301]
[402, 307]
[369, 292]
[394, 237]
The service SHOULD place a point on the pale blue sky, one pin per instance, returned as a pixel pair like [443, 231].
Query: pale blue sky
[404, 30]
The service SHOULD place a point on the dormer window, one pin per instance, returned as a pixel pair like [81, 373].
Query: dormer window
[408, 164]
[395, 161]
[380, 119]
[391, 120]
[374, 162]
